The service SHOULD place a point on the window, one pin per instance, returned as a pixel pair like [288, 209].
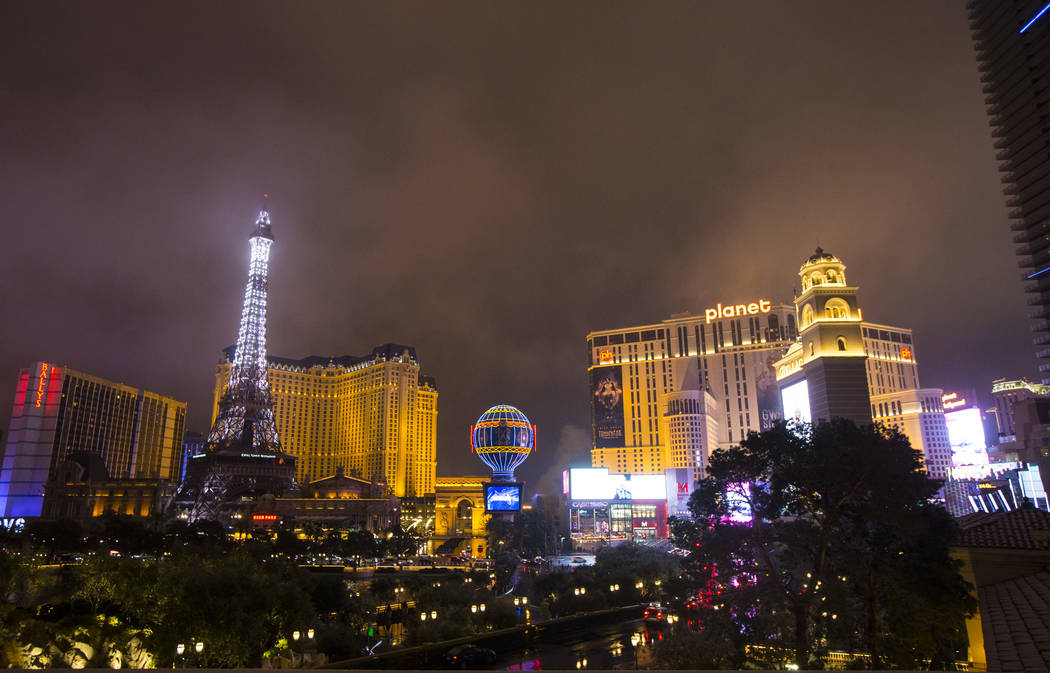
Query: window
[807, 315]
[842, 343]
[836, 309]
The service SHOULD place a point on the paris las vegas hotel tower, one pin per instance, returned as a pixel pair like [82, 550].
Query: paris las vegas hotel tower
[666, 395]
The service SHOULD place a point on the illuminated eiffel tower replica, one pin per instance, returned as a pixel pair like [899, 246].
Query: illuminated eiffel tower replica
[242, 459]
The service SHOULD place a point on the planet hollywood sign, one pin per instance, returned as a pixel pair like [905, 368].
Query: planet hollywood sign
[738, 310]
[13, 525]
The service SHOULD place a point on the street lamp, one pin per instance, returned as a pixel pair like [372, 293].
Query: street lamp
[198, 647]
[433, 614]
[614, 587]
[474, 608]
[179, 649]
[295, 635]
[482, 607]
[310, 634]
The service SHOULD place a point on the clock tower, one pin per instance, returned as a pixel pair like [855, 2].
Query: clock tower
[823, 375]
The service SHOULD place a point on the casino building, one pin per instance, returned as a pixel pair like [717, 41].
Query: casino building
[375, 416]
[665, 395]
[59, 413]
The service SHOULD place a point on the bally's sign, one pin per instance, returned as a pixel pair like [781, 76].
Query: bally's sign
[13, 525]
[738, 310]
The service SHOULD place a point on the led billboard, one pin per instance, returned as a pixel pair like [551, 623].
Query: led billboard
[502, 497]
[966, 435]
[607, 406]
[589, 483]
[648, 487]
[738, 498]
[795, 399]
[769, 411]
[595, 483]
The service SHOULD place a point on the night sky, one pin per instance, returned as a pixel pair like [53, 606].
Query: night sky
[488, 182]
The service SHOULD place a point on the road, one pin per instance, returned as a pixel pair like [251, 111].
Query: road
[626, 645]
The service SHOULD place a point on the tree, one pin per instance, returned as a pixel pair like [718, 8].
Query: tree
[823, 525]
[530, 534]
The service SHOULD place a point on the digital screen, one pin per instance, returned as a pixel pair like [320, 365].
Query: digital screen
[795, 399]
[738, 498]
[589, 483]
[595, 483]
[648, 487]
[502, 497]
[966, 435]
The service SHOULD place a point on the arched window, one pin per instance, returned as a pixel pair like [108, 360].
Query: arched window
[817, 278]
[836, 309]
[842, 343]
[807, 315]
[811, 349]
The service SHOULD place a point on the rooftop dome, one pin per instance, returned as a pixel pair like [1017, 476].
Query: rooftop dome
[820, 256]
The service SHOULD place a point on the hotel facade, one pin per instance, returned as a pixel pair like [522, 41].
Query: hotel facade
[375, 416]
[665, 395]
[60, 414]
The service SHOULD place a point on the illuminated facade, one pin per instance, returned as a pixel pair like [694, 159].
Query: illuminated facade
[81, 489]
[825, 373]
[460, 518]
[337, 500]
[919, 414]
[1012, 39]
[375, 416]
[665, 395]
[723, 360]
[1008, 393]
[604, 506]
[59, 412]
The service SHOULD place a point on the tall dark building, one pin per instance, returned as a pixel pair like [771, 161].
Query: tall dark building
[1012, 38]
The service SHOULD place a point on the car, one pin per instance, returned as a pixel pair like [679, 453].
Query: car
[463, 656]
[655, 613]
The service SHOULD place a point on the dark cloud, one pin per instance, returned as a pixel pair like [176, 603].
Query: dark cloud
[488, 182]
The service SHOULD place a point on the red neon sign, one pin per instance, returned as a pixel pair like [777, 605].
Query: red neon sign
[264, 517]
[906, 353]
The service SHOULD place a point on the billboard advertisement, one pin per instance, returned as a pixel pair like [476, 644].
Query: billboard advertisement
[502, 497]
[648, 487]
[679, 485]
[607, 406]
[966, 435]
[795, 399]
[766, 391]
[595, 483]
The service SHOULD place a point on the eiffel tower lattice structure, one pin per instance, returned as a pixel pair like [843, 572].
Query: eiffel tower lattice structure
[242, 459]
